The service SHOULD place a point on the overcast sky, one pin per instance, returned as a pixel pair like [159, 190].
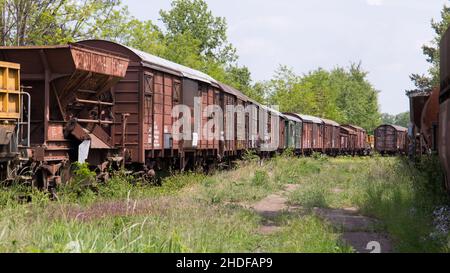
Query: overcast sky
[386, 35]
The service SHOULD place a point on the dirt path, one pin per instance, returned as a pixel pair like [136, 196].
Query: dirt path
[358, 231]
[272, 206]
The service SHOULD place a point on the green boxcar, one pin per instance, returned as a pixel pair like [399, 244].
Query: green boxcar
[293, 133]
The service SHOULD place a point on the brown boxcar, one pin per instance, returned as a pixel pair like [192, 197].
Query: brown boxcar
[444, 107]
[391, 139]
[71, 103]
[348, 140]
[272, 140]
[361, 144]
[317, 130]
[312, 133]
[242, 122]
[148, 93]
[332, 137]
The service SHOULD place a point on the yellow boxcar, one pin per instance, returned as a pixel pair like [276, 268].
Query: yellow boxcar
[9, 91]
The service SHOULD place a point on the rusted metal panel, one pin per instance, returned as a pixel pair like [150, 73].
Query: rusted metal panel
[92, 60]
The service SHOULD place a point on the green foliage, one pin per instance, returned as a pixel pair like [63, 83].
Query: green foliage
[401, 119]
[43, 22]
[250, 156]
[432, 53]
[194, 18]
[343, 95]
[287, 153]
[260, 179]
[82, 182]
[402, 195]
[179, 217]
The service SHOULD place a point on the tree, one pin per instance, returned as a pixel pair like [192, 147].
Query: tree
[401, 119]
[432, 53]
[39, 22]
[193, 17]
[341, 94]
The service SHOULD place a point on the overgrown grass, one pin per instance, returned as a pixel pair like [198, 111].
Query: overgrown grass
[196, 213]
[402, 195]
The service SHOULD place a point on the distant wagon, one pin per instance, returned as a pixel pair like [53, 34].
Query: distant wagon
[391, 139]
[332, 143]
[361, 145]
[293, 133]
[312, 133]
[347, 140]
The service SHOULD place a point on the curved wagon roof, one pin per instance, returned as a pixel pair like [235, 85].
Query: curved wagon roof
[312, 119]
[355, 127]
[233, 91]
[331, 122]
[348, 130]
[396, 127]
[159, 63]
[292, 117]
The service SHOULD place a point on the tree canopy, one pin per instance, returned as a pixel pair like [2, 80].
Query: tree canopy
[401, 119]
[342, 94]
[191, 35]
[431, 52]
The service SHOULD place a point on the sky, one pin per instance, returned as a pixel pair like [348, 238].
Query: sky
[385, 35]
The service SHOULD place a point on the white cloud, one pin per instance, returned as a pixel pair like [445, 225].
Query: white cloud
[374, 2]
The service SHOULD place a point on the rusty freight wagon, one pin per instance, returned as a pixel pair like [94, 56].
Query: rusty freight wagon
[362, 146]
[71, 114]
[245, 120]
[293, 133]
[332, 137]
[144, 101]
[391, 139]
[444, 107]
[348, 138]
[312, 133]
[314, 127]
[271, 127]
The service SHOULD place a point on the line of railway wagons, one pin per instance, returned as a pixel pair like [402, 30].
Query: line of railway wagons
[430, 115]
[107, 104]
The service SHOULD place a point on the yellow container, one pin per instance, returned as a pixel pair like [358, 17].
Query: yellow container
[9, 90]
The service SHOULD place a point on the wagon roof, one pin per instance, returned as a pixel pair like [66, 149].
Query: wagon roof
[292, 117]
[67, 46]
[354, 127]
[310, 119]
[330, 122]
[233, 91]
[158, 63]
[396, 127]
[272, 110]
[348, 130]
[185, 71]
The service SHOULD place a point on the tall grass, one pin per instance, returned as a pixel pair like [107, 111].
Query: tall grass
[196, 213]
